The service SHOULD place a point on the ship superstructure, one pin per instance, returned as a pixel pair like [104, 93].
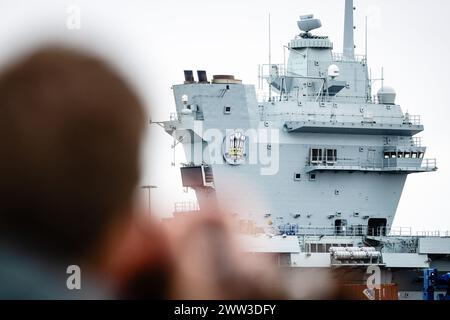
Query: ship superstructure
[319, 164]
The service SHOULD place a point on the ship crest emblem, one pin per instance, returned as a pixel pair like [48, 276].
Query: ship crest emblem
[234, 148]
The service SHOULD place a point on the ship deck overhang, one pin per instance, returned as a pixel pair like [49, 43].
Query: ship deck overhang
[353, 128]
[404, 170]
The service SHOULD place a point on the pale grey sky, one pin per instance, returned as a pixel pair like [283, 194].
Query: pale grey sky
[152, 42]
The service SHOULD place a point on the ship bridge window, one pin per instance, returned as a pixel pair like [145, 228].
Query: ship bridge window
[388, 155]
[323, 156]
[316, 156]
[406, 155]
[396, 155]
[331, 156]
[403, 155]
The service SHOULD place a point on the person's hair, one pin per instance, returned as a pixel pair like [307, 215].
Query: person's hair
[70, 134]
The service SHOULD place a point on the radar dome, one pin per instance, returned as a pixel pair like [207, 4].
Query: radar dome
[333, 71]
[386, 95]
[186, 112]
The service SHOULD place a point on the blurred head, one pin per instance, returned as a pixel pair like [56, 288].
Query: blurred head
[70, 131]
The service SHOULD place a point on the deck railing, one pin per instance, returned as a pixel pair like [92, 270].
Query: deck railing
[186, 206]
[340, 57]
[337, 118]
[418, 164]
[362, 231]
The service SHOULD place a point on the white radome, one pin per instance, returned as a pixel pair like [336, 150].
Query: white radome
[333, 71]
[386, 95]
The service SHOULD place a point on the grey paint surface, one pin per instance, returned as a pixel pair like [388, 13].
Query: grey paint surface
[375, 150]
[434, 245]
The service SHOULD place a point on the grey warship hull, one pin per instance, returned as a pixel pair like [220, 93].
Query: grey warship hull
[316, 168]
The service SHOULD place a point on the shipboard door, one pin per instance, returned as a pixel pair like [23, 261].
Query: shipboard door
[371, 157]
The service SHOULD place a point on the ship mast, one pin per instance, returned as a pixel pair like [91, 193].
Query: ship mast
[270, 59]
[349, 43]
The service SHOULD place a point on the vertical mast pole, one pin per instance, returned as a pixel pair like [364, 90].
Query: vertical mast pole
[270, 62]
[349, 42]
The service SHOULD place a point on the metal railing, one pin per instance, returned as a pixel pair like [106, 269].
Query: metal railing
[347, 231]
[321, 118]
[416, 142]
[422, 164]
[433, 234]
[404, 142]
[340, 57]
[400, 232]
[186, 206]
[362, 231]
[429, 163]
[408, 232]
[412, 119]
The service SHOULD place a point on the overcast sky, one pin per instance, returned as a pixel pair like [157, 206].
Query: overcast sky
[152, 42]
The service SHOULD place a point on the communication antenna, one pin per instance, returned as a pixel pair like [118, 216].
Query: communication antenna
[369, 85]
[270, 60]
[366, 40]
[349, 42]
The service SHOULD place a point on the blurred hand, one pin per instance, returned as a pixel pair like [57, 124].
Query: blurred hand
[209, 264]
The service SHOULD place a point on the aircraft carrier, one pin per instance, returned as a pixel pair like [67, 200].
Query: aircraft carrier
[313, 169]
